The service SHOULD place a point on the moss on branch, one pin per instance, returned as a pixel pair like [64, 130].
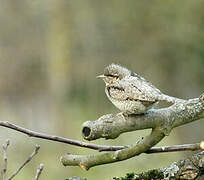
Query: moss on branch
[190, 168]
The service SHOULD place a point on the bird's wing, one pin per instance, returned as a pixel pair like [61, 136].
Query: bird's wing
[133, 89]
[142, 82]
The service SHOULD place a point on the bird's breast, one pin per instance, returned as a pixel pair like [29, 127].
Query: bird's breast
[129, 106]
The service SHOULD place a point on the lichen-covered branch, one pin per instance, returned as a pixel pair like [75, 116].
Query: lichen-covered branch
[190, 168]
[162, 121]
[88, 161]
[111, 126]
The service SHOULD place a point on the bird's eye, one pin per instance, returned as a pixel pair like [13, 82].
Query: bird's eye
[114, 76]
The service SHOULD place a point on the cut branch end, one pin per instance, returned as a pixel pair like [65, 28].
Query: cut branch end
[86, 132]
[202, 145]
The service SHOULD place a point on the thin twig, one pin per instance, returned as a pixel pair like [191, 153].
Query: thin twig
[174, 148]
[185, 147]
[37, 147]
[52, 137]
[39, 171]
[5, 147]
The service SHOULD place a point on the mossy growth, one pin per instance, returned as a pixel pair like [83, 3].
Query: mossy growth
[149, 175]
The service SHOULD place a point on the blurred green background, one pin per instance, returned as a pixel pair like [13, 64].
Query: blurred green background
[50, 53]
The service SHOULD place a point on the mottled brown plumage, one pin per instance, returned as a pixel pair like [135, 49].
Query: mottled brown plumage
[130, 92]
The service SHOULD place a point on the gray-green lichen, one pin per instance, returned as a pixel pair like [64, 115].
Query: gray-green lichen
[170, 172]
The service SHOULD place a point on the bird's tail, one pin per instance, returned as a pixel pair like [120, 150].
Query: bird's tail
[170, 99]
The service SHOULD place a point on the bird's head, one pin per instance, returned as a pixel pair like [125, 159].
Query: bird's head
[113, 73]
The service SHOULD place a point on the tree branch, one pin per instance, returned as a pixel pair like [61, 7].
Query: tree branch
[111, 126]
[88, 161]
[174, 148]
[56, 138]
[162, 121]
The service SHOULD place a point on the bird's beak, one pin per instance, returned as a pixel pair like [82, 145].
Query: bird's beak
[101, 76]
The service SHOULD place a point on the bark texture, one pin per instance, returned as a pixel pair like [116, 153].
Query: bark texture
[162, 121]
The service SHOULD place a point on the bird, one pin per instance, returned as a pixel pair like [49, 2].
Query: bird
[131, 93]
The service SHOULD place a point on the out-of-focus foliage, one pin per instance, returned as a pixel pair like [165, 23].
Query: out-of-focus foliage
[51, 52]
